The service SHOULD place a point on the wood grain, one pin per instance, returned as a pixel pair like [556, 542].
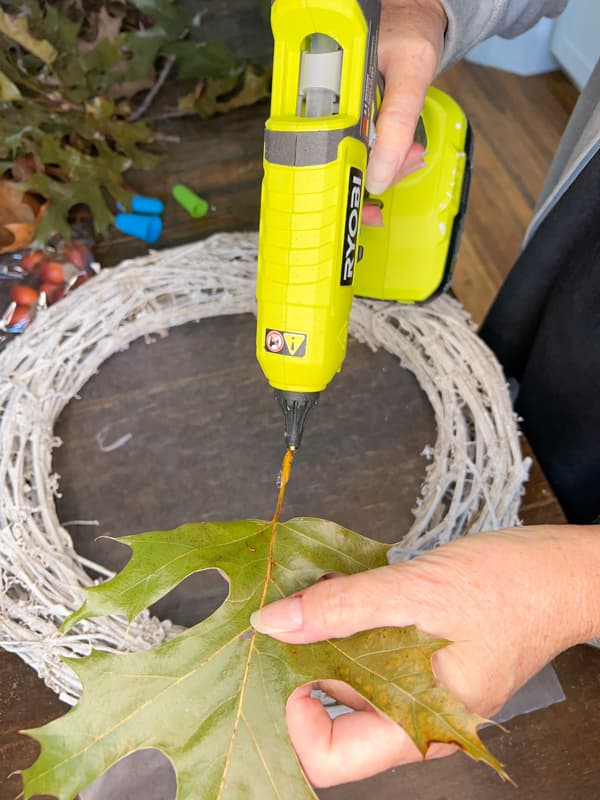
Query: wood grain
[24, 703]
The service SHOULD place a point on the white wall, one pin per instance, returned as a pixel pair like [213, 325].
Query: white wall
[575, 40]
[527, 54]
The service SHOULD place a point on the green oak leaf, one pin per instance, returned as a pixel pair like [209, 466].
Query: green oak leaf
[47, 21]
[83, 178]
[166, 14]
[213, 699]
[68, 73]
[99, 65]
[142, 48]
[17, 29]
[203, 59]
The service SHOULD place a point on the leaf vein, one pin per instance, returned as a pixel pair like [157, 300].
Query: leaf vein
[412, 697]
[141, 707]
[244, 683]
[261, 755]
[345, 555]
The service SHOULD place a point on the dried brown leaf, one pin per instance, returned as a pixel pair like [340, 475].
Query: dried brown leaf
[108, 28]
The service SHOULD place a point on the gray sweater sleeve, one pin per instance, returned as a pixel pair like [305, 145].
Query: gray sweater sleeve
[471, 21]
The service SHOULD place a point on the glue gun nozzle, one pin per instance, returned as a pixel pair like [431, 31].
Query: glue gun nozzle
[295, 407]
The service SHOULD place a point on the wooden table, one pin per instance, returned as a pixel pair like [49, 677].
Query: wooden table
[206, 443]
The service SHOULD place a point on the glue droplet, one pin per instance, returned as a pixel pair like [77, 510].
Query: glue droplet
[278, 480]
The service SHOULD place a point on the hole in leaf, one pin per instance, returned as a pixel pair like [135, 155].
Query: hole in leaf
[144, 775]
[194, 599]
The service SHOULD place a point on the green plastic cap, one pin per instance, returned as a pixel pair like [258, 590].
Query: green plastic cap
[194, 205]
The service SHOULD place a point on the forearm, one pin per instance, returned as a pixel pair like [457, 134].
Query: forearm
[472, 21]
[580, 546]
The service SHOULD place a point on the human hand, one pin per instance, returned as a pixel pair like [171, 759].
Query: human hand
[411, 40]
[508, 601]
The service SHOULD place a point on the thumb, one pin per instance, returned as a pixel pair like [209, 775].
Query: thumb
[396, 124]
[410, 46]
[336, 608]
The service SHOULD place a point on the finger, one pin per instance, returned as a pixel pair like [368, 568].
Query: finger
[372, 216]
[347, 748]
[338, 608]
[328, 576]
[400, 110]
[344, 694]
[415, 155]
[395, 133]
[414, 161]
[410, 48]
[352, 746]
[406, 170]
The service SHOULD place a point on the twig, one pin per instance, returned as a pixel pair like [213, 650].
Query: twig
[164, 73]
[162, 137]
[172, 113]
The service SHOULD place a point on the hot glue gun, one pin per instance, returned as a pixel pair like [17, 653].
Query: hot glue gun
[313, 256]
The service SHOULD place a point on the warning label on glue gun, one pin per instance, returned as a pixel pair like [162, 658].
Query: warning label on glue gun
[285, 343]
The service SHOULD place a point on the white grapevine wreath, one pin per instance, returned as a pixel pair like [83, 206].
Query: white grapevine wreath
[473, 483]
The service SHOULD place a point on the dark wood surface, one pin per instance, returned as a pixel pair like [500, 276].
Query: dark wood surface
[206, 438]
[25, 702]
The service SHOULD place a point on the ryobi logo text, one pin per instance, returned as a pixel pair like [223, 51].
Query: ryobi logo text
[355, 184]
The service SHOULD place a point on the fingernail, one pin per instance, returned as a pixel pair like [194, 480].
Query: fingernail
[376, 182]
[284, 616]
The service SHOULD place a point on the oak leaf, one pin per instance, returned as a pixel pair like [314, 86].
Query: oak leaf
[17, 29]
[226, 94]
[213, 699]
[60, 62]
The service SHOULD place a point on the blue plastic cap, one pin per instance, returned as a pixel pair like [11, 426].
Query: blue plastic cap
[147, 228]
[144, 205]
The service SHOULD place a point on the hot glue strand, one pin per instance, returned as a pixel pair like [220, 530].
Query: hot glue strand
[284, 476]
